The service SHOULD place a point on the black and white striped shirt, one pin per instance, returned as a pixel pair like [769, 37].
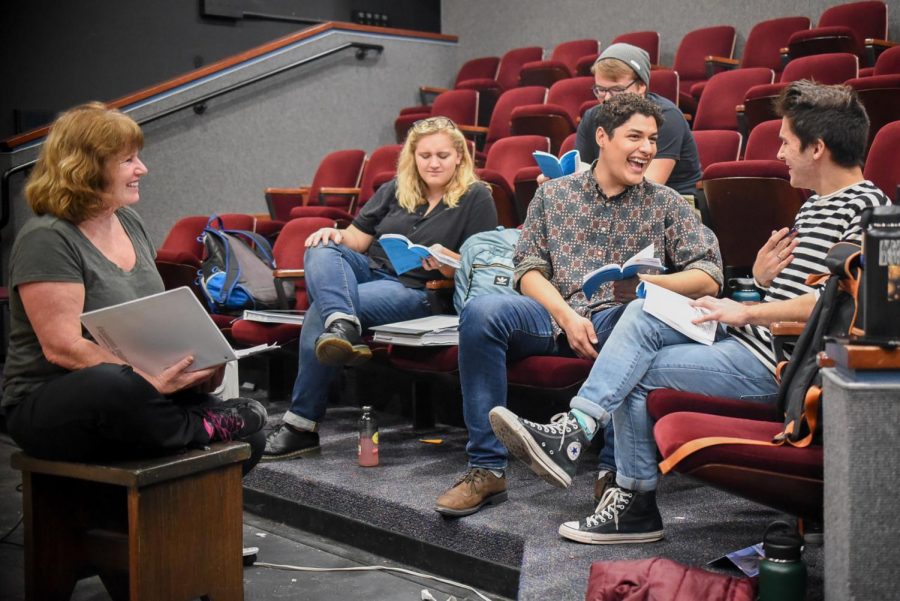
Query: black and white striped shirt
[821, 222]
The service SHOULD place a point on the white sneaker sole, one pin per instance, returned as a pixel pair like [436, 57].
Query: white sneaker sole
[520, 443]
[590, 538]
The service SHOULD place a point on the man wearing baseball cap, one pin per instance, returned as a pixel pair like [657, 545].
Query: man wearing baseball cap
[626, 68]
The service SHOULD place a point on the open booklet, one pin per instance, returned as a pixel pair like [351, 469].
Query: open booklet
[406, 255]
[435, 330]
[642, 262]
[155, 332]
[676, 311]
[553, 167]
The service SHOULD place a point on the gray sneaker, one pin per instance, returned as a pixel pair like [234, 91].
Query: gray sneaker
[550, 450]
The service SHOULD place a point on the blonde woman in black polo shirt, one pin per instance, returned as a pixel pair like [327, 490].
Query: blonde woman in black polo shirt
[436, 199]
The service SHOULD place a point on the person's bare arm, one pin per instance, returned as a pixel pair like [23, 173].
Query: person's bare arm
[579, 330]
[352, 238]
[659, 170]
[732, 313]
[54, 310]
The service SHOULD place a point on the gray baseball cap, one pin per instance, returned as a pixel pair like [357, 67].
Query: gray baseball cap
[634, 57]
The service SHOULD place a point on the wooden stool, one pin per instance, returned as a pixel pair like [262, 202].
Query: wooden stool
[168, 528]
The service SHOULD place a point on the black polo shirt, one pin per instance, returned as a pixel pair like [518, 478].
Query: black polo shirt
[474, 213]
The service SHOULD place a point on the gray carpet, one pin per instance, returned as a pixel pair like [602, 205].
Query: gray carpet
[398, 496]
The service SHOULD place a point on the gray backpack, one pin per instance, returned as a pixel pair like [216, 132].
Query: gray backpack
[486, 265]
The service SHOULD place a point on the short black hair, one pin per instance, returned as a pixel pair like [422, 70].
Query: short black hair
[621, 107]
[833, 114]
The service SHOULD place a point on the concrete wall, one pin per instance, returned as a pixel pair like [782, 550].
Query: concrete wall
[491, 29]
[272, 133]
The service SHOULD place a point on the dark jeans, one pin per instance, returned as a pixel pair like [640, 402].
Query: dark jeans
[107, 413]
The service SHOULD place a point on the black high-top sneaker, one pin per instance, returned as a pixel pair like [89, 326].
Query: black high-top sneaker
[623, 516]
[550, 450]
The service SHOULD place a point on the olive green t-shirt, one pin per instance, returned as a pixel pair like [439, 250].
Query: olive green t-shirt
[48, 249]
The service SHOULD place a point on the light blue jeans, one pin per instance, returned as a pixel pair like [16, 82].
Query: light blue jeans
[495, 329]
[643, 354]
[339, 280]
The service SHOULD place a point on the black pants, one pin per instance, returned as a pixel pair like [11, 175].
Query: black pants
[106, 413]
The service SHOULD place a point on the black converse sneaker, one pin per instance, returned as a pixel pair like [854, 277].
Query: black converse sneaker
[623, 516]
[550, 450]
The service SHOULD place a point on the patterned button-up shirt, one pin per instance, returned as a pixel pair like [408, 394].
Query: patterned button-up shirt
[573, 228]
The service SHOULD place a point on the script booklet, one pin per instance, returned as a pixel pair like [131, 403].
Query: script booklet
[554, 167]
[155, 332]
[676, 311]
[406, 255]
[291, 316]
[434, 330]
[642, 262]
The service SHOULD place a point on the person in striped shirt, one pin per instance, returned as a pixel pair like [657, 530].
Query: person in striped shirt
[823, 141]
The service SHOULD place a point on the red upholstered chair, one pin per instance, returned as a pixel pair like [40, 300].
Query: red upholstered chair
[763, 142]
[339, 169]
[762, 49]
[477, 68]
[724, 91]
[717, 145]
[822, 68]
[499, 125]
[380, 167]
[666, 83]
[559, 116]
[561, 65]
[690, 59]
[490, 88]
[459, 105]
[525, 181]
[648, 40]
[843, 28]
[888, 63]
[746, 201]
[880, 94]
[506, 157]
[881, 164]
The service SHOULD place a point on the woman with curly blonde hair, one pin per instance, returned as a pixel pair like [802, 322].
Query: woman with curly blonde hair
[66, 397]
[436, 201]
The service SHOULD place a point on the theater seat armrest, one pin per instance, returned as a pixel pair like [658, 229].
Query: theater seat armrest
[279, 200]
[440, 296]
[714, 64]
[785, 56]
[475, 133]
[874, 47]
[340, 191]
[439, 285]
[426, 91]
[787, 328]
[289, 274]
[284, 191]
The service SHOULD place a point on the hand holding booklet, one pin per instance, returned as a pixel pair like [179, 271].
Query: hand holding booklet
[677, 311]
[642, 262]
[155, 332]
[405, 255]
[553, 167]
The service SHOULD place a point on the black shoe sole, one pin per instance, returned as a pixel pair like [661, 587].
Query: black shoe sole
[494, 499]
[337, 352]
[519, 442]
[307, 452]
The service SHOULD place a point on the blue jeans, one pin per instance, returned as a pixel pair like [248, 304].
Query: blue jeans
[339, 281]
[643, 354]
[494, 329]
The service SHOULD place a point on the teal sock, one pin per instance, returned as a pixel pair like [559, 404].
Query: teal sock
[587, 423]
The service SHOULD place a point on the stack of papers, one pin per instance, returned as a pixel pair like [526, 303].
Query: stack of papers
[293, 316]
[436, 330]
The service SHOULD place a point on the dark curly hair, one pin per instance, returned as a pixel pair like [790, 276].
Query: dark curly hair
[620, 108]
[833, 114]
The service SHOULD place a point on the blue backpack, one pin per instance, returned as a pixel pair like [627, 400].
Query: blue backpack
[237, 271]
[486, 265]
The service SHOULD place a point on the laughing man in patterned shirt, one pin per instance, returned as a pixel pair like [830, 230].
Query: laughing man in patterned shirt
[575, 225]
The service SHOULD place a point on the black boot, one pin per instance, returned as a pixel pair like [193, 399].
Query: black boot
[341, 344]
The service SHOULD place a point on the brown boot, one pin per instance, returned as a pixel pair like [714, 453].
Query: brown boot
[479, 487]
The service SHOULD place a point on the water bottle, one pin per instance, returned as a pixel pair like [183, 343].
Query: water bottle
[368, 438]
[782, 573]
[744, 290]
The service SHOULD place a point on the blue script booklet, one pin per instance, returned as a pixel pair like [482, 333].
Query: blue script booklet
[406, 255]
[554, 167]
[642, 262]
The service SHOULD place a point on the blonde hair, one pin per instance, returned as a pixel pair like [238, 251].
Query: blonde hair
[411, 189]
[614, 69]
[71, 169]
